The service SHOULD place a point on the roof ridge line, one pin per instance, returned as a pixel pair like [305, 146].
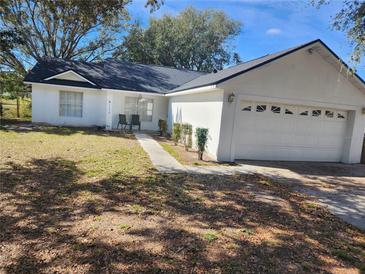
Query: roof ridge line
[155, 65]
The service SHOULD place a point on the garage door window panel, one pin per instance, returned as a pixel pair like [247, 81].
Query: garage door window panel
[341, 115]
[261, 108]
[304, 113]
[316, 113]
[289, 111]
[275, 109]
[329, 114]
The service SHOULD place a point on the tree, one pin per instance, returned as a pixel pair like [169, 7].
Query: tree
[11, 85]
[351, 19]
[196, 40]
[68, 29]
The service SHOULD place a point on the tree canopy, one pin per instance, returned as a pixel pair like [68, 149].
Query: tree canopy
[351, 19]
[196, 40]
[68, 29]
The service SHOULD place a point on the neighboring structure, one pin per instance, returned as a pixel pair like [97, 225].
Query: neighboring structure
[299, 104]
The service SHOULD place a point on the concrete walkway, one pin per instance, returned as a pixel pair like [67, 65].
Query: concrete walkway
[164, 162]
[161, 159]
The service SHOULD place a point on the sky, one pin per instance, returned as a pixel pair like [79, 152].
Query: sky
[267, 26]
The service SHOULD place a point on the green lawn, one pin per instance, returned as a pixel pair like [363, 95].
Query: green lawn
[85, 201]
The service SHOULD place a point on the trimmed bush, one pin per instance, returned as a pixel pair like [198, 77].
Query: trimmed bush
[176, 132]
[162, 124]
[201, 135]
[186, 135]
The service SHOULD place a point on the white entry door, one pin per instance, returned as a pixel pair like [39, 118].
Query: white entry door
[270, 131]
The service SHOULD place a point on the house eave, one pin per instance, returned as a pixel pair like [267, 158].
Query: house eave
[133, 92]
[193, 91]
[60, 85]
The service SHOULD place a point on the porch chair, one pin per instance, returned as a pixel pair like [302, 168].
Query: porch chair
[135, 122]
[122, 121]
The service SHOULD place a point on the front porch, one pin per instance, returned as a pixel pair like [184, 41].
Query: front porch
[150, 108]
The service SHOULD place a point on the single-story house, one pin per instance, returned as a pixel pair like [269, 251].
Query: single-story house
[300, 104]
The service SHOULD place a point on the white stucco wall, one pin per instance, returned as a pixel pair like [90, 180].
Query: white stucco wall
[300, 79]
[200, 110]
[45, 106]
[159, 108]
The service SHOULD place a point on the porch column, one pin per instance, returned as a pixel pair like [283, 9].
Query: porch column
[109, 111]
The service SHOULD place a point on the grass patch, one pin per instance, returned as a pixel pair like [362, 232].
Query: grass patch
[170, 149]
[137, 209]
[248, 231]
[311, 205]
[210, 236]
[343, 255]
[124, 226]
[98, 218]
[189, 157]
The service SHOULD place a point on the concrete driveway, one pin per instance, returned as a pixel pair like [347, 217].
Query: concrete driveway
[340, 187]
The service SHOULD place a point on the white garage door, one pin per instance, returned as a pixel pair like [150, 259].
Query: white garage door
[288, 132]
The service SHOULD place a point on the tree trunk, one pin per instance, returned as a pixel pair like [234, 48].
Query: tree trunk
[17, 107]
[200, 155]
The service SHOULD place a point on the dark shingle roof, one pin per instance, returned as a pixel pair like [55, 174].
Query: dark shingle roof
[149, 78]
[113, 74]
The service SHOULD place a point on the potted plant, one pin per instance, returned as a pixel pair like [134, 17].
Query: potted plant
[163, 127]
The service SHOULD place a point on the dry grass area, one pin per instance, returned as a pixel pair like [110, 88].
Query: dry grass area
[83, 201]
[189, 157]
[10, 111]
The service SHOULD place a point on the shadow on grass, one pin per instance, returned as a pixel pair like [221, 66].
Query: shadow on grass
[45, 204]
[63, 131]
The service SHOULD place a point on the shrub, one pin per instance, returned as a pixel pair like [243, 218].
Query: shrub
[162, 124]
[176, 133]
[201, 135]
[186, 133]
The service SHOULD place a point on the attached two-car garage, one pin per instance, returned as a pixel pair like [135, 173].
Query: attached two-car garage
[295, 105]
[273, 131]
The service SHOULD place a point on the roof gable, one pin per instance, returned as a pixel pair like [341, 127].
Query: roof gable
[234, 71]
[71, 76]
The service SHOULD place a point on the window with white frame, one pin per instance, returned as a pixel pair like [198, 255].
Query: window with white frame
[141, 106]
[71, 104]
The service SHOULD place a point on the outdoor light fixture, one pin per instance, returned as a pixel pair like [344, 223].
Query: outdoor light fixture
[231, 97]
